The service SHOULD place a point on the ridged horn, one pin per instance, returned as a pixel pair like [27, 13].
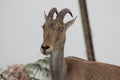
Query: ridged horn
[51, 12]
[63, 12]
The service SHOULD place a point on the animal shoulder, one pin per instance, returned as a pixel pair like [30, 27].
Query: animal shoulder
[75, 62]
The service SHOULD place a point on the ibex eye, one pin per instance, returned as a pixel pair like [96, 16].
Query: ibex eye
[60, 29]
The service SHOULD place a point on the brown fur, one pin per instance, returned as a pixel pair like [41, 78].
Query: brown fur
[70, 68]
[79, 69]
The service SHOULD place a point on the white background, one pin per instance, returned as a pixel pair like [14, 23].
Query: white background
[21, 31]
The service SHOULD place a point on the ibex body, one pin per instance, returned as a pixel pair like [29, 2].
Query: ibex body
[70, 68]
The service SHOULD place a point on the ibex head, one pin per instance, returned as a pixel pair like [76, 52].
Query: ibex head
[54, 30]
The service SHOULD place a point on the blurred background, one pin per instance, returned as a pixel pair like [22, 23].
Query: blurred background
[21, 30]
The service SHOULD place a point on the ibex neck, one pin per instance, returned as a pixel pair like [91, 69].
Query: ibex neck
[57, 64]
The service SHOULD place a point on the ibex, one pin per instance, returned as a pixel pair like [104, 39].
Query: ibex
[70, 68]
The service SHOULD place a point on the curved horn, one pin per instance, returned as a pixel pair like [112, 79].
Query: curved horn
[51, 12]
[63, 12]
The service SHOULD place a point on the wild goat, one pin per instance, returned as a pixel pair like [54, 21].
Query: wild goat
[70, 68]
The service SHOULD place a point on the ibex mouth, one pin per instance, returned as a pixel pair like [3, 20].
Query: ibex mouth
[45, 52]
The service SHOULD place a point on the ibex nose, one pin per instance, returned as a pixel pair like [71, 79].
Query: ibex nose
[45, 47]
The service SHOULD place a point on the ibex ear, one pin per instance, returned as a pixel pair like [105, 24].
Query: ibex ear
[69, 23]
[45, 16]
